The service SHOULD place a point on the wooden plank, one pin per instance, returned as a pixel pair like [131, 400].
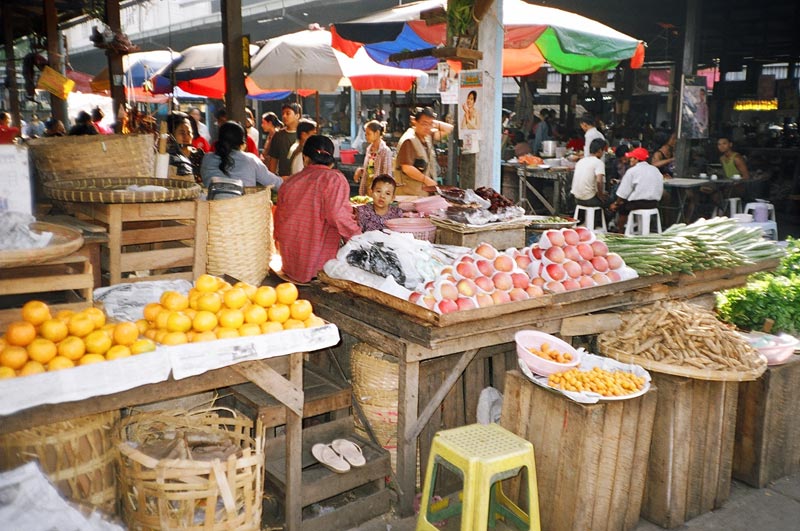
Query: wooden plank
[498, 238]
[582, 325]
[158, 259]
[200, 238]
[160, 234]
[270, 381]
[158, 211]
[186, 275]
[294, 440]
[114, 243]
[408, 380]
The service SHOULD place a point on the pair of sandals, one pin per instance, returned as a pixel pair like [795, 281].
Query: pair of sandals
[340, 455]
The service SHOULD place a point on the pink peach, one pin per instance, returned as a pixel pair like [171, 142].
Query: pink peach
[447, 290]
[586, 267]
[536, 253]
[570, 237]
[534, 291]
[486, 251]
[523, 261]
[428, 301]
[520, 280]
[599, 248]
[573, 269]
[615, 261]
[584, 234]
[518, 294]
[446, 306]
[485, 267]
[538, 282]
[465, 303]
[500, 297]
[502, 280]
[503, 262]
[555, 254]
[571, 253]
[485, 283]
[571, 284]
[484, 300]
[600, 264]
[554, 272]
[613, 276]
[587, 282]
[551, 238]
[555, 287]
[586, 251]
[600, 278]
[467, 269]
[466, 287]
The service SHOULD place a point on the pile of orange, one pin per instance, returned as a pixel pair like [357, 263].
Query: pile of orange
[44, 342]
[215, 309]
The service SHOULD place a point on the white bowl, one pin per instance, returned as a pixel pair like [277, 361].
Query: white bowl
[532, 338]
[743, 218]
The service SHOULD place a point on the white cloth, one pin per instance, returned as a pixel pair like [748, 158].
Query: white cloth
[643, 182]
[202, 129]
[584, 177]
[252, 132]
[590, 135]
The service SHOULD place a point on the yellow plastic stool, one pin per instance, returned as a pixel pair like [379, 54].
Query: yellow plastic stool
[483, 455]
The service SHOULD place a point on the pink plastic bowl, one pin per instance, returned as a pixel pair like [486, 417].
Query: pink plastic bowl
[526, 339]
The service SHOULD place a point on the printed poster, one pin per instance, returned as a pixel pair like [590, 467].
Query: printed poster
[448, 83]
[470, 93]
[693, 122]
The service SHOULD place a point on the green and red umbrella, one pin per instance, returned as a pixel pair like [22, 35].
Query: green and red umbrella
[534, 34]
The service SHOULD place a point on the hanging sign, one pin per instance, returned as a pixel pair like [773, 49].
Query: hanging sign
[55, 83]
[448, 83]
[694, 108]
[470, 92]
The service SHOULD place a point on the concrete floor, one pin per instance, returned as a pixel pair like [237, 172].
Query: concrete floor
[773, 508]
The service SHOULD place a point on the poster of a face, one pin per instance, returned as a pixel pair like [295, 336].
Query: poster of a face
[694, 108]
[448, 84]
[470, 92]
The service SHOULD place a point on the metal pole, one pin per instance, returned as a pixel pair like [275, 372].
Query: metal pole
[687, 68]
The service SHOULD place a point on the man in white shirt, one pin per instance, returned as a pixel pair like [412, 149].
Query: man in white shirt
[590, 133]
[641, 186]
[589, 176]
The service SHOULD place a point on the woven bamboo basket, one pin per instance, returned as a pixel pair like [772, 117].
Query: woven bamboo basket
[77, 455]
[189, 495]
[114, 190]
[240, 235]
[83, 157]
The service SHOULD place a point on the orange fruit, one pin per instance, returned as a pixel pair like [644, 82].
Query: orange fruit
[7, 372]
[286, 293]
[150, 333]
[142, 325]
[161, 319]
[140, 346]
[179, 322]
[126, 333]
[160, 335]
[210, 302]
[235, 298]
[71, 348]
[80, 325]
[53, 329]
[279, 312]
[204, 321]
[13, 356]
[190, 312]
[223, 285]
[20, 333]
[151, 311]
[206, 283]
[293, 323]
[172, 300]
[250, 329]
[270, 327]
[97, 316]
[194, 295]
[313, 321]
[265, 296]
[3, 342]
[255, 314]
[229, 318]
[32, 367]
[91, 358]
[60, 362]
[175, 338]
[200, 337]
[301, 309]
[225, 333]
[64, 315]
[35, 312]
[118, 351]
[97, 342]
[249, 289]
[42, 350]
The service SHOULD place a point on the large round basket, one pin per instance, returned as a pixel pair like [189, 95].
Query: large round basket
[77, 455]
[114, 190]
[65, 241]
[185, 494]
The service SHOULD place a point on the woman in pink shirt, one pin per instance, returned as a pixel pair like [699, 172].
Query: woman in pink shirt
[313, 213]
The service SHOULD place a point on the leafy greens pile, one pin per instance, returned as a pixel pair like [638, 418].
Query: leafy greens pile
[774, 296]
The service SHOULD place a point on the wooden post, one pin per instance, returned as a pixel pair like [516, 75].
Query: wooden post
[490, 42]
[234, 64]
[115, 71]
[58, 107]
[687, 69]
[11, 69]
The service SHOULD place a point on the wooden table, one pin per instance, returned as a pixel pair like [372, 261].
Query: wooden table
[414, 335]
[562, 179]
[266, 374]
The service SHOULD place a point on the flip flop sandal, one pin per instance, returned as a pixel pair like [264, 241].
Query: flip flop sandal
[326, 455]
[350, 451]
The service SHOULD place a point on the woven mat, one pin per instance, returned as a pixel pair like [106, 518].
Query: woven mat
[113, 190]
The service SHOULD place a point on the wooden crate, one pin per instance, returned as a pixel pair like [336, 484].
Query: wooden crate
[767, 441]
[591, 459]
[156, 237]
[689, 472]
[71, 274]
[499, 238]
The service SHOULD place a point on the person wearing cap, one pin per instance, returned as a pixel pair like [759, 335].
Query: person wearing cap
[590, 132]
[416, 164]
[641, 186]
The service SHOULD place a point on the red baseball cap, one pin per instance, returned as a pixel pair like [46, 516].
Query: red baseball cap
[639, 153]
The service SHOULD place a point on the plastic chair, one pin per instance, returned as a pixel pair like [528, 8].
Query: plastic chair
[734, 205]
[483, 456]
[588, 220]
[645, 219]
[750, 208]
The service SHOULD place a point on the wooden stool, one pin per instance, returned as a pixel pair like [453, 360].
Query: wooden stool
[483, 455]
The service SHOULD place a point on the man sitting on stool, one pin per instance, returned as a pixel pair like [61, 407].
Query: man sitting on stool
[588, 179]
[641, 187]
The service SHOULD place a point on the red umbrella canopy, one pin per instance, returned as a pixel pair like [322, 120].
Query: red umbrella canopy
[534, 34]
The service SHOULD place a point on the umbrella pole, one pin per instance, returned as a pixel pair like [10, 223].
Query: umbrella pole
[316, 109]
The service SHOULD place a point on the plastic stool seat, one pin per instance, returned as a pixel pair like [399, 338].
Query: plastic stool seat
[588, 220]
[750, 208]
[645, 217]
[483, 455]
[734, 205]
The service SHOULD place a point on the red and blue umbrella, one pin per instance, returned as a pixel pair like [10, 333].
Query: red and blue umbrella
[534, 34]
